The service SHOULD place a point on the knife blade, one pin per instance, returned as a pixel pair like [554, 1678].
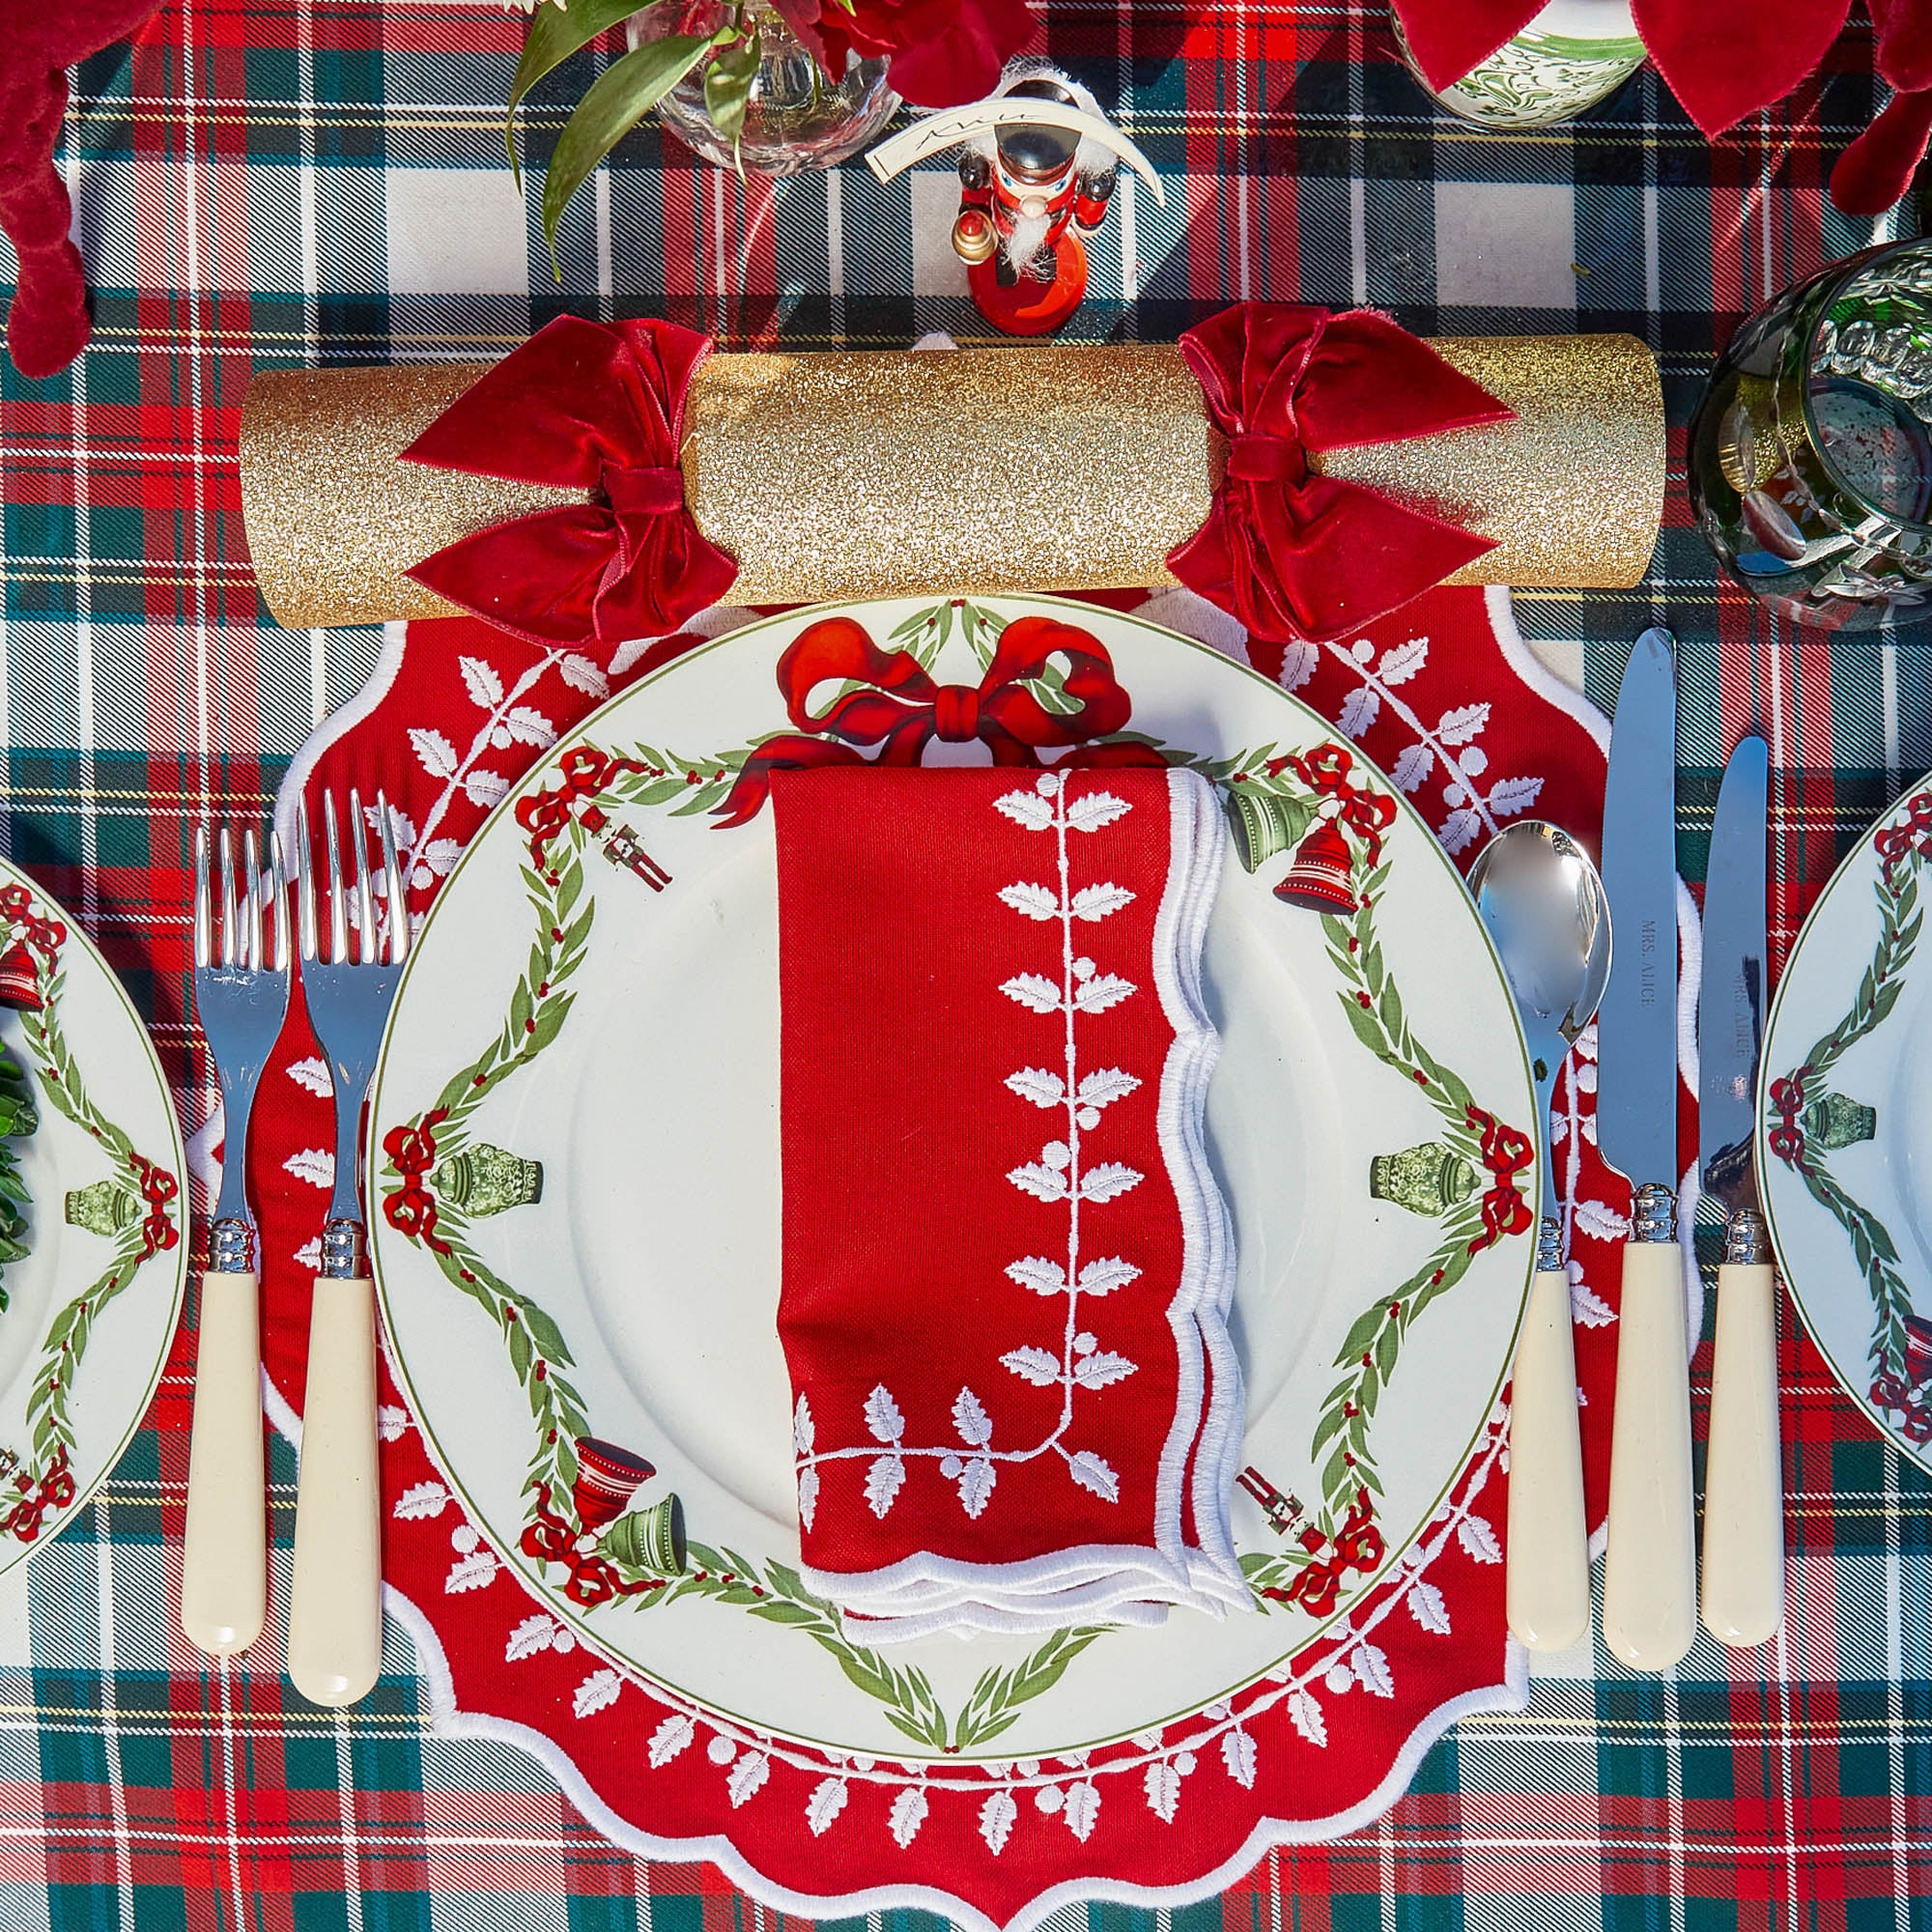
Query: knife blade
[1650, 1568]
[1744, 1495]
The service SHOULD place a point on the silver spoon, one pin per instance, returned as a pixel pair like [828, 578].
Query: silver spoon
[1546, 910]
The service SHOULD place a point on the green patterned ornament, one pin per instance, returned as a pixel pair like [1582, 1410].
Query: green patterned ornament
[1428, 1179]
[485, 1179]
[106, 1208]
[1574, 54]
[1832, 1121]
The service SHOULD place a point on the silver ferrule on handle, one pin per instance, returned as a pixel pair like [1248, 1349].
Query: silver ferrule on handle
[1746, 1239]
[345, 1257]
[1549, 1245]
[1653, 1213]
[231, 1247]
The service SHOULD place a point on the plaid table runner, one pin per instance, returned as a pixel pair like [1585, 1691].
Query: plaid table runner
[309, 182]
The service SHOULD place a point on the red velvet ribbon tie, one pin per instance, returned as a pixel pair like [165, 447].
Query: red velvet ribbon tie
[411, 1208]
[1506, 1151]
[1288, 551]
[586, 774]
[596, 406]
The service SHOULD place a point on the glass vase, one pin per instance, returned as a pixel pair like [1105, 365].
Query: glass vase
[1811, 454]
[798, 117]
[1574, 54]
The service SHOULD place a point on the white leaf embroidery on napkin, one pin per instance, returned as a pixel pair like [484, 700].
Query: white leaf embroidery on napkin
[672, 1737]
[531, 1635]
[597, 1691]
[435, 753]
[803, 1433]
[975, 1485]
[485, 789]
[421, 1499]
[969, 1417]
[1042, 1276]
[1037, 1085]
[1514, 795]
[882, 1415]
[1461, 722]
[1098, 991]
[1305, 1713]
[1034, 991]
[1400, 662]
[1102, 1368]
[470, 1572]
[1105, 1085]
[390, 1422]
[908, 1814]
[1370, 1667]
[1043, 1183]
[1359, 710]
[1092, 810]
[441, 855]
[1026, 807]
[827, 1801]
[312, 1076]
[1298, 660]
[1429, 1607]
[808, 1496]
[1081, 1809]
[1108, 1179]
[1459, 829]
[1476, 1536]
[528, 726]
[1239, 1754]
[882, 1483]
[314, 1165]
[480, 680]
[1099, 902]
[996, 1821]
[1033, 1365]
[1586, 1306]
[580, 675]
[1601, 1221]
[1103, 1276]
[1162, 1785]
[1031, 901]
[1410, 769]
[1094, 1472]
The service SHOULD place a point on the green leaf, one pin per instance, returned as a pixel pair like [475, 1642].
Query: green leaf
[727, 87]
[782, 1612]
[614, 102]
[554, 34]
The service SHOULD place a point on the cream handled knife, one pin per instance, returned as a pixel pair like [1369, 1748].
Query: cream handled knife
[1650, 1568]
[1744, 1490]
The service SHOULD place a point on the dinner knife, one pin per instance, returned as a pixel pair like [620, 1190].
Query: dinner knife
[1650, 1565]
[1744, 1495]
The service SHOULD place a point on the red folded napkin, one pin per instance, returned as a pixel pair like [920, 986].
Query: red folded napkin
[1006, 1263]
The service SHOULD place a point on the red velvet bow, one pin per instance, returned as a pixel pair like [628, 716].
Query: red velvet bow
[1289, 552]
[411, 1210]
[1506, 1153]
[586, 772]
[1325, 771]
[158, 1189]
[581, 406]
[899, 707]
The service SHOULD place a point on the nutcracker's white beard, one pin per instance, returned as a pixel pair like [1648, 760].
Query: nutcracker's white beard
[1024, 243]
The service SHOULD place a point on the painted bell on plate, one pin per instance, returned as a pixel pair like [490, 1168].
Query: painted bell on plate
[485, 1179]
[608, 1477]
[20, 979]
[1320, 878]
[648, 1538]
[1428, 1179]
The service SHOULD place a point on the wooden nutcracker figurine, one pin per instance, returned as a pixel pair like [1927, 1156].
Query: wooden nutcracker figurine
[1037, 174]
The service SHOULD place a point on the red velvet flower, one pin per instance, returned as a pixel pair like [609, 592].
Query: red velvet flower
[943, 52]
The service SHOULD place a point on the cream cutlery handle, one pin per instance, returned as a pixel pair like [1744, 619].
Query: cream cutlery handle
[1549, 1582]
[1744, 1485]
[335, 1592]
[1650, 1567]
[224, 1597]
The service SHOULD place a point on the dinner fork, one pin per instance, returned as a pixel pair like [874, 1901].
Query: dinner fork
[335, 1592]
[242, 999]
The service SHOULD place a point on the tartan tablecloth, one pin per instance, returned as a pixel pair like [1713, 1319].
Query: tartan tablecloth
[324, 181]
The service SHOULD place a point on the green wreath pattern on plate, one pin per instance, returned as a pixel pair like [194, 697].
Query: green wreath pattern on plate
[561, 821]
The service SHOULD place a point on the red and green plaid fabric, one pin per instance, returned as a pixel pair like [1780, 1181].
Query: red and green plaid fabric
[324, 181]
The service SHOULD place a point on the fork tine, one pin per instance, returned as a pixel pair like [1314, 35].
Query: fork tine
[228, 922]
[251, 874]
[338, 924]
[399, 911]
[365, 899]
[204, 910]
[279, 882]
[304, 881]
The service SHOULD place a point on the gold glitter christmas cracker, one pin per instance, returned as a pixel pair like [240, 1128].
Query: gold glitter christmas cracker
[868, 473]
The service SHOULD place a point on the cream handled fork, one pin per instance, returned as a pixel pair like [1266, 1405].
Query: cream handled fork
[242, 1000]
[335, 1593]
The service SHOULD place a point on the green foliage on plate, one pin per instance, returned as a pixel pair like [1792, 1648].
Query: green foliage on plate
[19, 1119]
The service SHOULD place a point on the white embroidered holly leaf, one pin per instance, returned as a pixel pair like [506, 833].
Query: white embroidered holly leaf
[1400, 662]
[391, 1420]
[1094, 1472]
[1370, 1667]
[480, 680]
[1026, 807]
[969, 1417]
[1410, 769]
[827, 1801]
[421, 1499]
[314, 1165]
[808, 1496]
[746, 1777]
[1476, 1536]
[1305, 1713]
[1092, 810]
[996, 1820]
[1037, 1085]
[1429, 1607]
[441, 855]
[528, 726]
[804, 1432]
[1102, 1368]
[596, 1693]
[1033, 1365]
[405, 825]
[1034, 991]
[485, 789]
[882, 1415]
[311, 1075]
[883, 1480]
[433, 751]
[1602, 1222]
[976, 1486]
[1080, 1807]
[1103, 1276]
[580, 675]
[1359, 710]
[1042, 1276]
[1043, 1183]
[1587, 1308]
[669, 1738]
[1514, 795]
[1457, 727]
[469, 1573]
[907, 1816]
[1162, 1785]
[1031, 901]
[533, 1634]
[1459, 829]
[1102, 990]
[1239, 1754]
[1094, 903]
[1104, 1086]
[1298, 660]
[1109, 1178]
[308, 1257]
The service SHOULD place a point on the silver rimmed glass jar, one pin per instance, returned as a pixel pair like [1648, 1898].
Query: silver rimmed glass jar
[1811, 455]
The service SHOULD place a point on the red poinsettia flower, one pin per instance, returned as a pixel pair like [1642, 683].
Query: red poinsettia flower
[1725, 59]
[943, 52]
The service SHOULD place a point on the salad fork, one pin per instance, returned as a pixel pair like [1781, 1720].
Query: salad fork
[242, 999]
[335, 1593]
